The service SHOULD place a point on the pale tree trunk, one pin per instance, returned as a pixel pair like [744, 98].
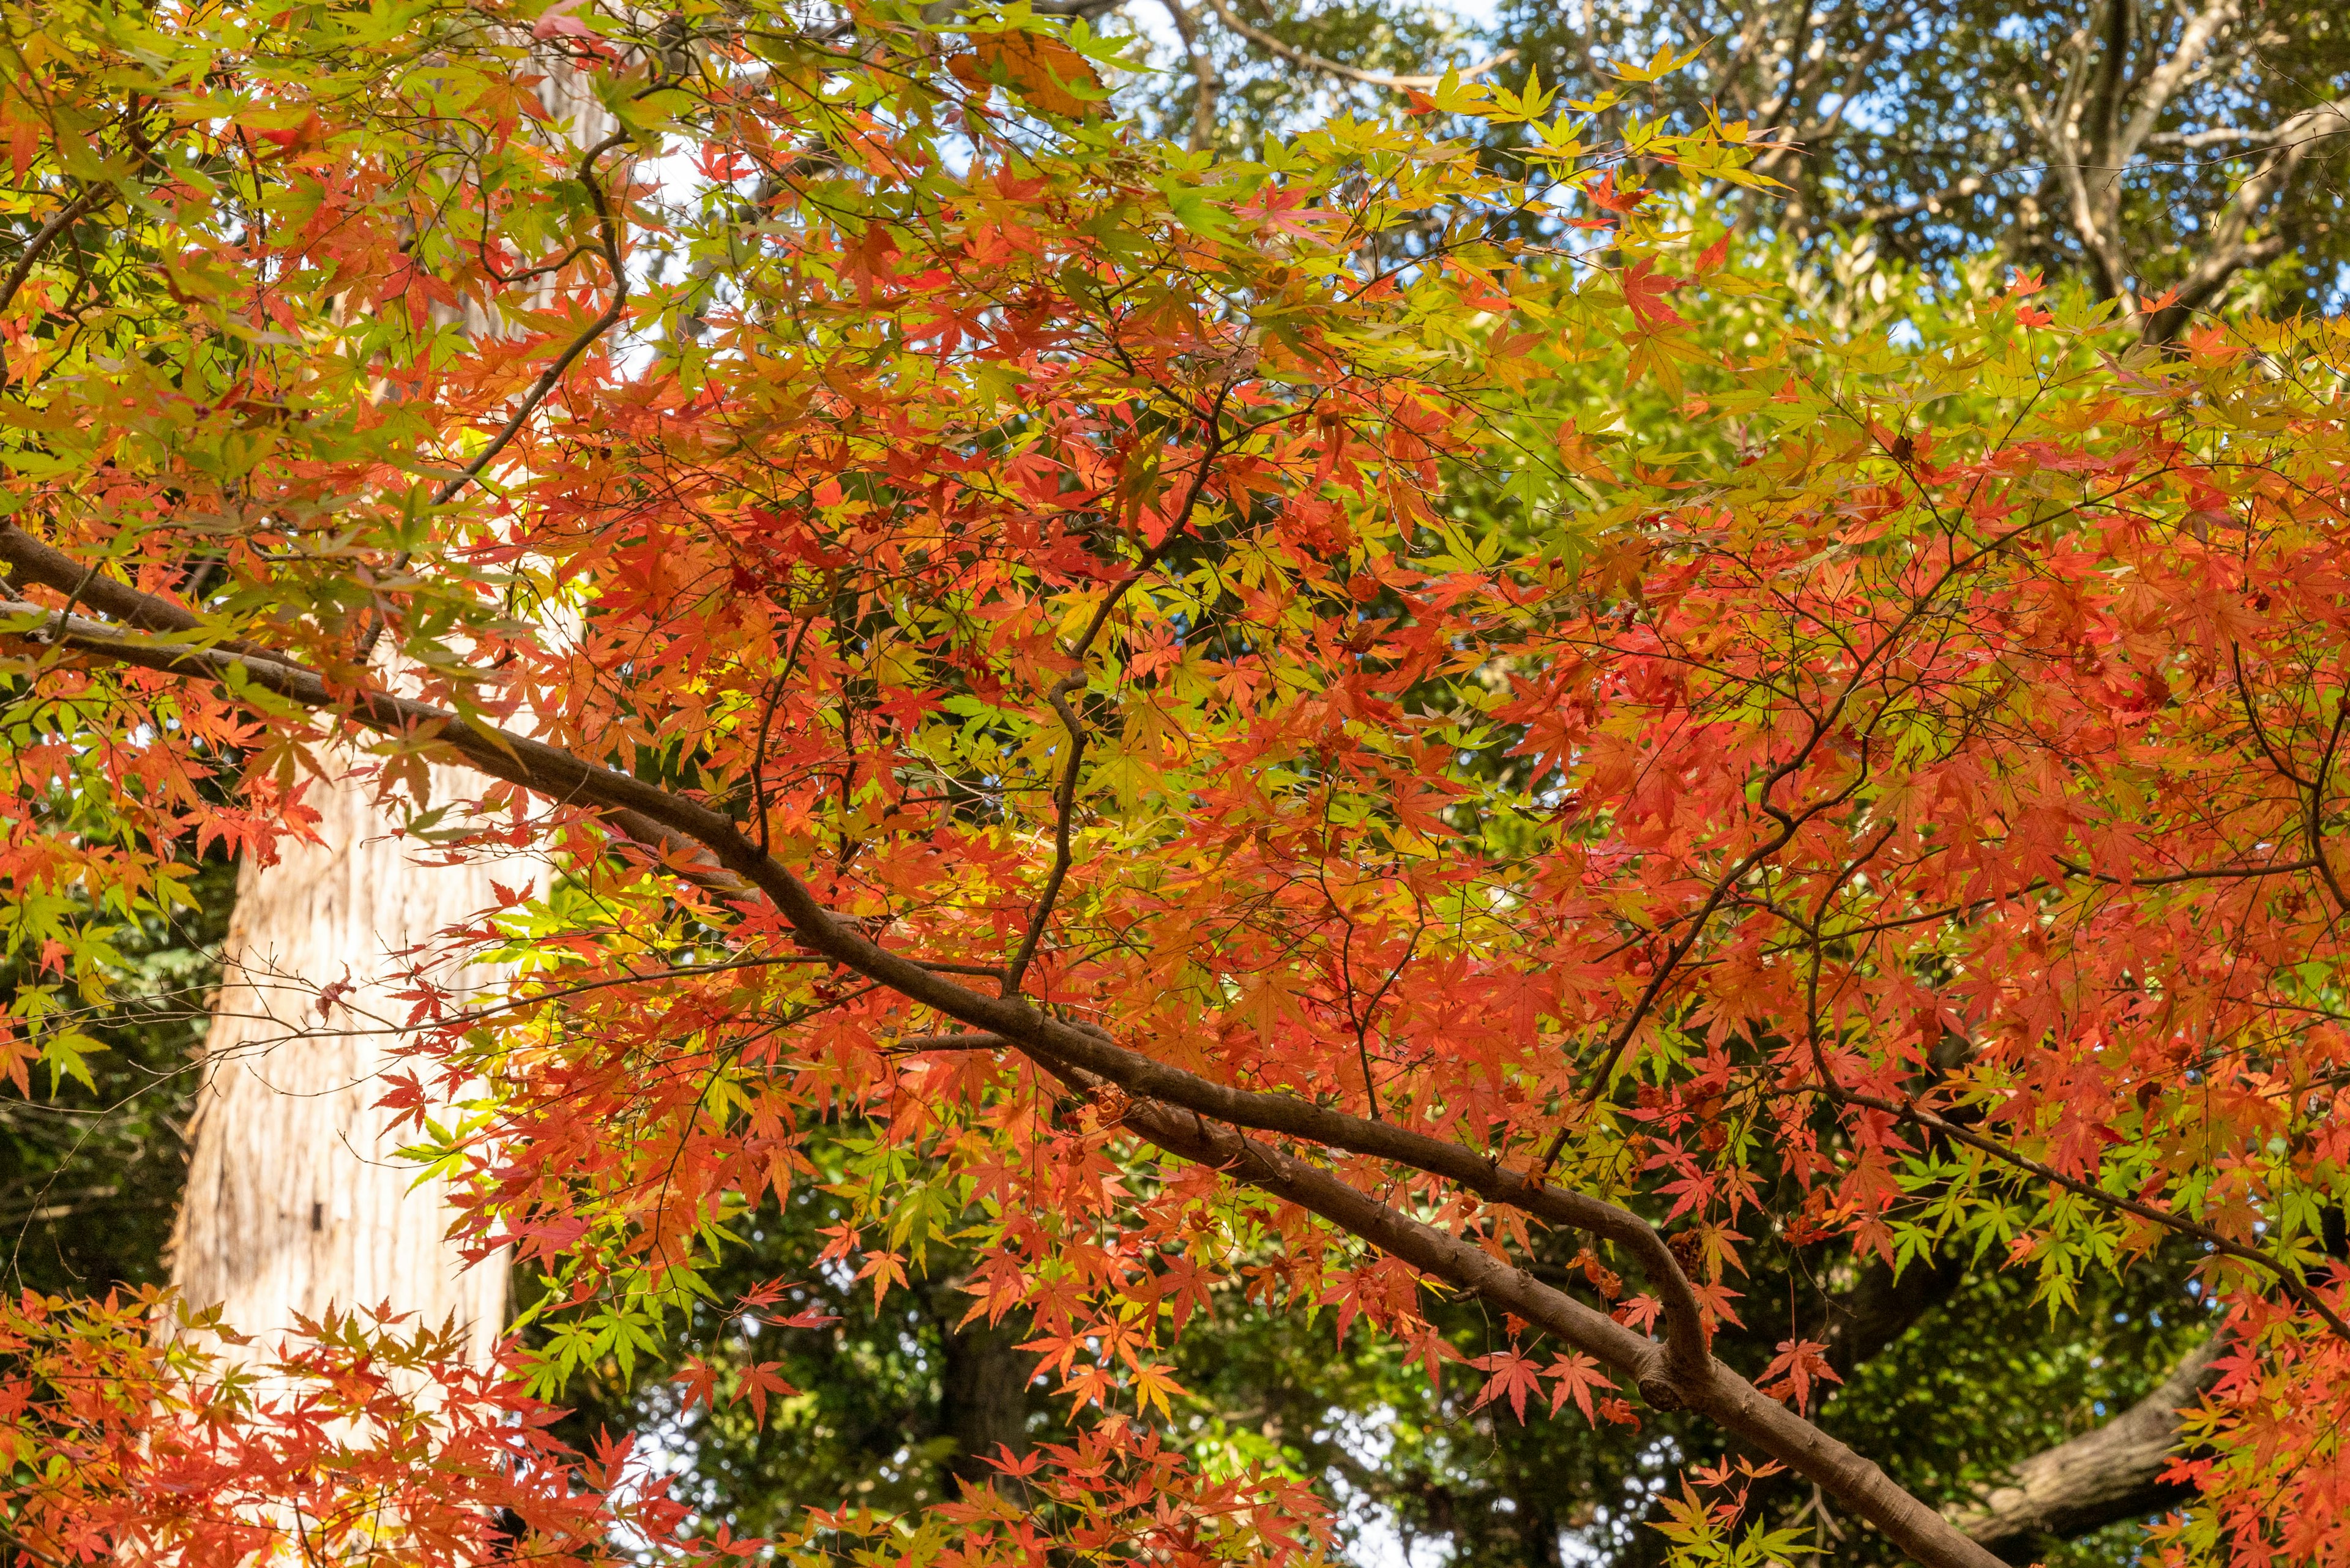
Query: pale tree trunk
[297, 1200]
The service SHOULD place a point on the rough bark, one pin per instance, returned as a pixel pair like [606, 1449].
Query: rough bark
[983, 1393]
[295, 1198]
[2099, 1478]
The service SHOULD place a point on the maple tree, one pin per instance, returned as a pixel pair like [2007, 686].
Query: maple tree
[2031, 1430]
[967, 599]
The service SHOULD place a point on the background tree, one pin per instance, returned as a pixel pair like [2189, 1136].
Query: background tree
[295, 1203]
[2146, 148]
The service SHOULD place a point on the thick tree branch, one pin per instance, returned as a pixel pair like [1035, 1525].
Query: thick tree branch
[2103, 104]
[1670, 1374]
[1144, 1077]
[29, 560]
[2065, 152]
[2099, 1478]
[1720, 1394]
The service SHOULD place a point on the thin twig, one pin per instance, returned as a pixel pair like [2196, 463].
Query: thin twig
[544, 387]
[45, 236]
[1910, 1111]
[1064, 801]
[1314, 62]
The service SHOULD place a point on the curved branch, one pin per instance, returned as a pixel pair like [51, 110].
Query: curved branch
[1064, 806]
[1206, 83]
[1665, 1375]
[45, 236]
[30, 560]
[608, 234]
[1720, 1395]
[2099, 1478]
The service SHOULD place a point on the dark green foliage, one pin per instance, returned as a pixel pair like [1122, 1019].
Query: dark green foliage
[91, 1174]
[890, 1405]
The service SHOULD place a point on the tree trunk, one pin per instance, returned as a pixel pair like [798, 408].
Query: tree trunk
[295, 1198]
[983, 1392]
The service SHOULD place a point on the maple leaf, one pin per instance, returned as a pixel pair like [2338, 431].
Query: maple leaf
[1152, 1385]
[17, 1053]
[1509, 1375]
[1644, 291]
[697, 1378]
[1005, 1461]
[808, 1317]
[764, 1294]
[558, 21]
[1039, 67]
[760, 1380]
[885, 1269]
[1606, 195]
[1792, 1370]
[1574, 1376]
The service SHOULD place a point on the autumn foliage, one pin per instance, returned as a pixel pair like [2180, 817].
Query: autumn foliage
[983, 610]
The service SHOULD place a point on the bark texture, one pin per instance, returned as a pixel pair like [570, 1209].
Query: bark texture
[296, 1201]
[2099, 1478]
[983, 1392]
[295, 1198]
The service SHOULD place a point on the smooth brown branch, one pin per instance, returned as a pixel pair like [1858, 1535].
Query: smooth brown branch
[1687, 1341]
[568, 779]
[1065, 794]
[2104, 1476]
[1681, 1371]
[30, 560]
[1712, 1388]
